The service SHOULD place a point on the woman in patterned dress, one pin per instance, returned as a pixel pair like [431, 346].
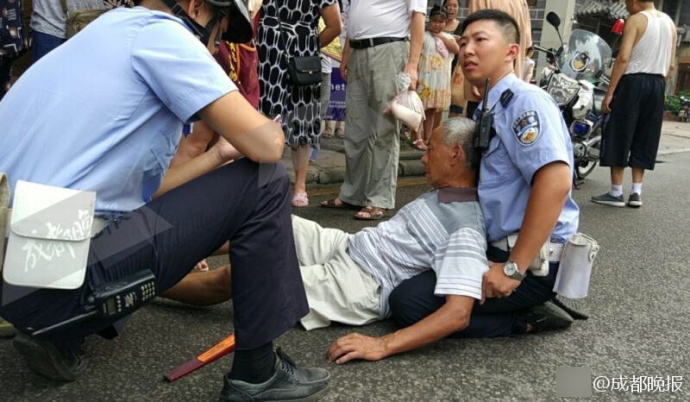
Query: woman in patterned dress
[299, 106]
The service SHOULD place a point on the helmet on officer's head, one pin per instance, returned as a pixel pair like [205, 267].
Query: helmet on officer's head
[239, 24]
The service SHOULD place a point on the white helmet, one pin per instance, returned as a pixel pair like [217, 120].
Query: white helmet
[239, 25]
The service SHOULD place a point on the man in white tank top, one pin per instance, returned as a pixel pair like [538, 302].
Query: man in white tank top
[635, 99]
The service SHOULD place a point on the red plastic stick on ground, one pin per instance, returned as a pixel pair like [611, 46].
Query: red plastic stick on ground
[222, 348]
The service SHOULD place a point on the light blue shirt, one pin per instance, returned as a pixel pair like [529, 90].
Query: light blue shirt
[104, 111]
[530, 133]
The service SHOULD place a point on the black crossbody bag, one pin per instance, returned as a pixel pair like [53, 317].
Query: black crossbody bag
[304, 70]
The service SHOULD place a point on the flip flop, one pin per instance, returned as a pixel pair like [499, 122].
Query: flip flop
[419, 145]
[374, 214]
[337, 205]
[339, 133]
[300, 200]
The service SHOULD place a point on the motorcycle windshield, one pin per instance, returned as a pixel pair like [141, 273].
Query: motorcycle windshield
[585, 56]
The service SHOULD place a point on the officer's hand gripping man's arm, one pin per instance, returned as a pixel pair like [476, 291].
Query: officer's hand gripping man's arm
[550, 189]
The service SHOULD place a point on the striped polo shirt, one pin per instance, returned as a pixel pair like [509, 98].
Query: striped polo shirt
[441, 230]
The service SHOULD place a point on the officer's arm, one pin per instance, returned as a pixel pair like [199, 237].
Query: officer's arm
[254, 136]
[550, 188]
[629, 35]
[453, 316]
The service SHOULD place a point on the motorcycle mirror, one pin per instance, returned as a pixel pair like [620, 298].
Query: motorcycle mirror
[553, 19]
[618, 26]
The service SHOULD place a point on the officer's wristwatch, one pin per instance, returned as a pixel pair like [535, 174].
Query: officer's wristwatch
[511, 270]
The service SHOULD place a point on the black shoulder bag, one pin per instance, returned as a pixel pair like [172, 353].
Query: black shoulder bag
[304, 70]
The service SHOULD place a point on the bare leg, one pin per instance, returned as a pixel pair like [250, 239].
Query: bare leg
[437, 118]
[637, 175]
[428, 123]
[202, 288]
[300, 161]
[617, 175]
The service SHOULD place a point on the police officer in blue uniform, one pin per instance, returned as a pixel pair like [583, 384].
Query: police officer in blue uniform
[104, 113]
[525, 180]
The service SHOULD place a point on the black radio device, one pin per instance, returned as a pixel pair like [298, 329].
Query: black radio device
[110, 301]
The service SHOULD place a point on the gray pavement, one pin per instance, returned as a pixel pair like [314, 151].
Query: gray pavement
[639, 324]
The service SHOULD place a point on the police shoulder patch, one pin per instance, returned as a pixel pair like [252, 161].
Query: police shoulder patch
[527, 128]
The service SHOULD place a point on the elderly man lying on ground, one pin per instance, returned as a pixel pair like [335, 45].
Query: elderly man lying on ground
[348, 278]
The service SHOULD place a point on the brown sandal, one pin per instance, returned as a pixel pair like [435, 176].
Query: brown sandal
[336, 203]
[374, 214]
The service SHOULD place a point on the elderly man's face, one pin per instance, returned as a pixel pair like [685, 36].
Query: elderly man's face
[437, 159]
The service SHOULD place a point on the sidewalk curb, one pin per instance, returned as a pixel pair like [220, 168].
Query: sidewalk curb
[323, 176]
[673, 151]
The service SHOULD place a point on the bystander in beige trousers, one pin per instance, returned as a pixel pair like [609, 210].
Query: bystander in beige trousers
[372, 143]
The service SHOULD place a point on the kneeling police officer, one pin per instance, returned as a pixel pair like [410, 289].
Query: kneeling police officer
[104, 113]
[524, 190]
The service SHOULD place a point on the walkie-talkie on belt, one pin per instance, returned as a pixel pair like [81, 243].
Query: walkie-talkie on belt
[486, 122]
[109, 301]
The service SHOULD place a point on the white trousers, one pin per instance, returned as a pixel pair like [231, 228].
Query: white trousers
[337, 288]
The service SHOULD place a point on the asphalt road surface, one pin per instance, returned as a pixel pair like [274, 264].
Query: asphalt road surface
[639, 325]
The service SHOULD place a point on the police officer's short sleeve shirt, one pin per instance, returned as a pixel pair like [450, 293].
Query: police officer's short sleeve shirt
[530, 134]
[105, 110]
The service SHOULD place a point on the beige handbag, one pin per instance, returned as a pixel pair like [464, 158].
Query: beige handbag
[457, 89]
[75, 21]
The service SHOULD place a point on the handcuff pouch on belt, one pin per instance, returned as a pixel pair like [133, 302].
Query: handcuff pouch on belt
[575, 271]
[49, 236]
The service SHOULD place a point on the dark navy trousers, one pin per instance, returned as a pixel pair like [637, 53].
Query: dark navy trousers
[414, 299]
[244, 202]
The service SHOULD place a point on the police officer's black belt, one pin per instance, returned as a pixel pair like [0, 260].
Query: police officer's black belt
[371, 42]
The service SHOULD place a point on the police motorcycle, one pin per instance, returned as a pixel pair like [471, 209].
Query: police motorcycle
[49, 229]
[578, 81]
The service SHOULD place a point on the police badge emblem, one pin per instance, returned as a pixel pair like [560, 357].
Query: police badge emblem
[527, 128]
[579, 62]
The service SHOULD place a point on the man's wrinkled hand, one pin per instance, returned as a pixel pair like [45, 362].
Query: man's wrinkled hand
[496, 283]
[357, 346]
[411, 70]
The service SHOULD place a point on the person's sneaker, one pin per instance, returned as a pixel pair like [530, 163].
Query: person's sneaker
[288, 383]
[634, 201]
[547, 317]
[7, 330]
[608, 199]
[59, 360]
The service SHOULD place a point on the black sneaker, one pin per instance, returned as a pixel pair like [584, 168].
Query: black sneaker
[59, 360]
[634, 201]
[608, 199]
[547, 317]
[289, 383]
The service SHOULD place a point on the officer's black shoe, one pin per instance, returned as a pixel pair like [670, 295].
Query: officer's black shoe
[288, 383]
[547, 317]
[58, 360]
